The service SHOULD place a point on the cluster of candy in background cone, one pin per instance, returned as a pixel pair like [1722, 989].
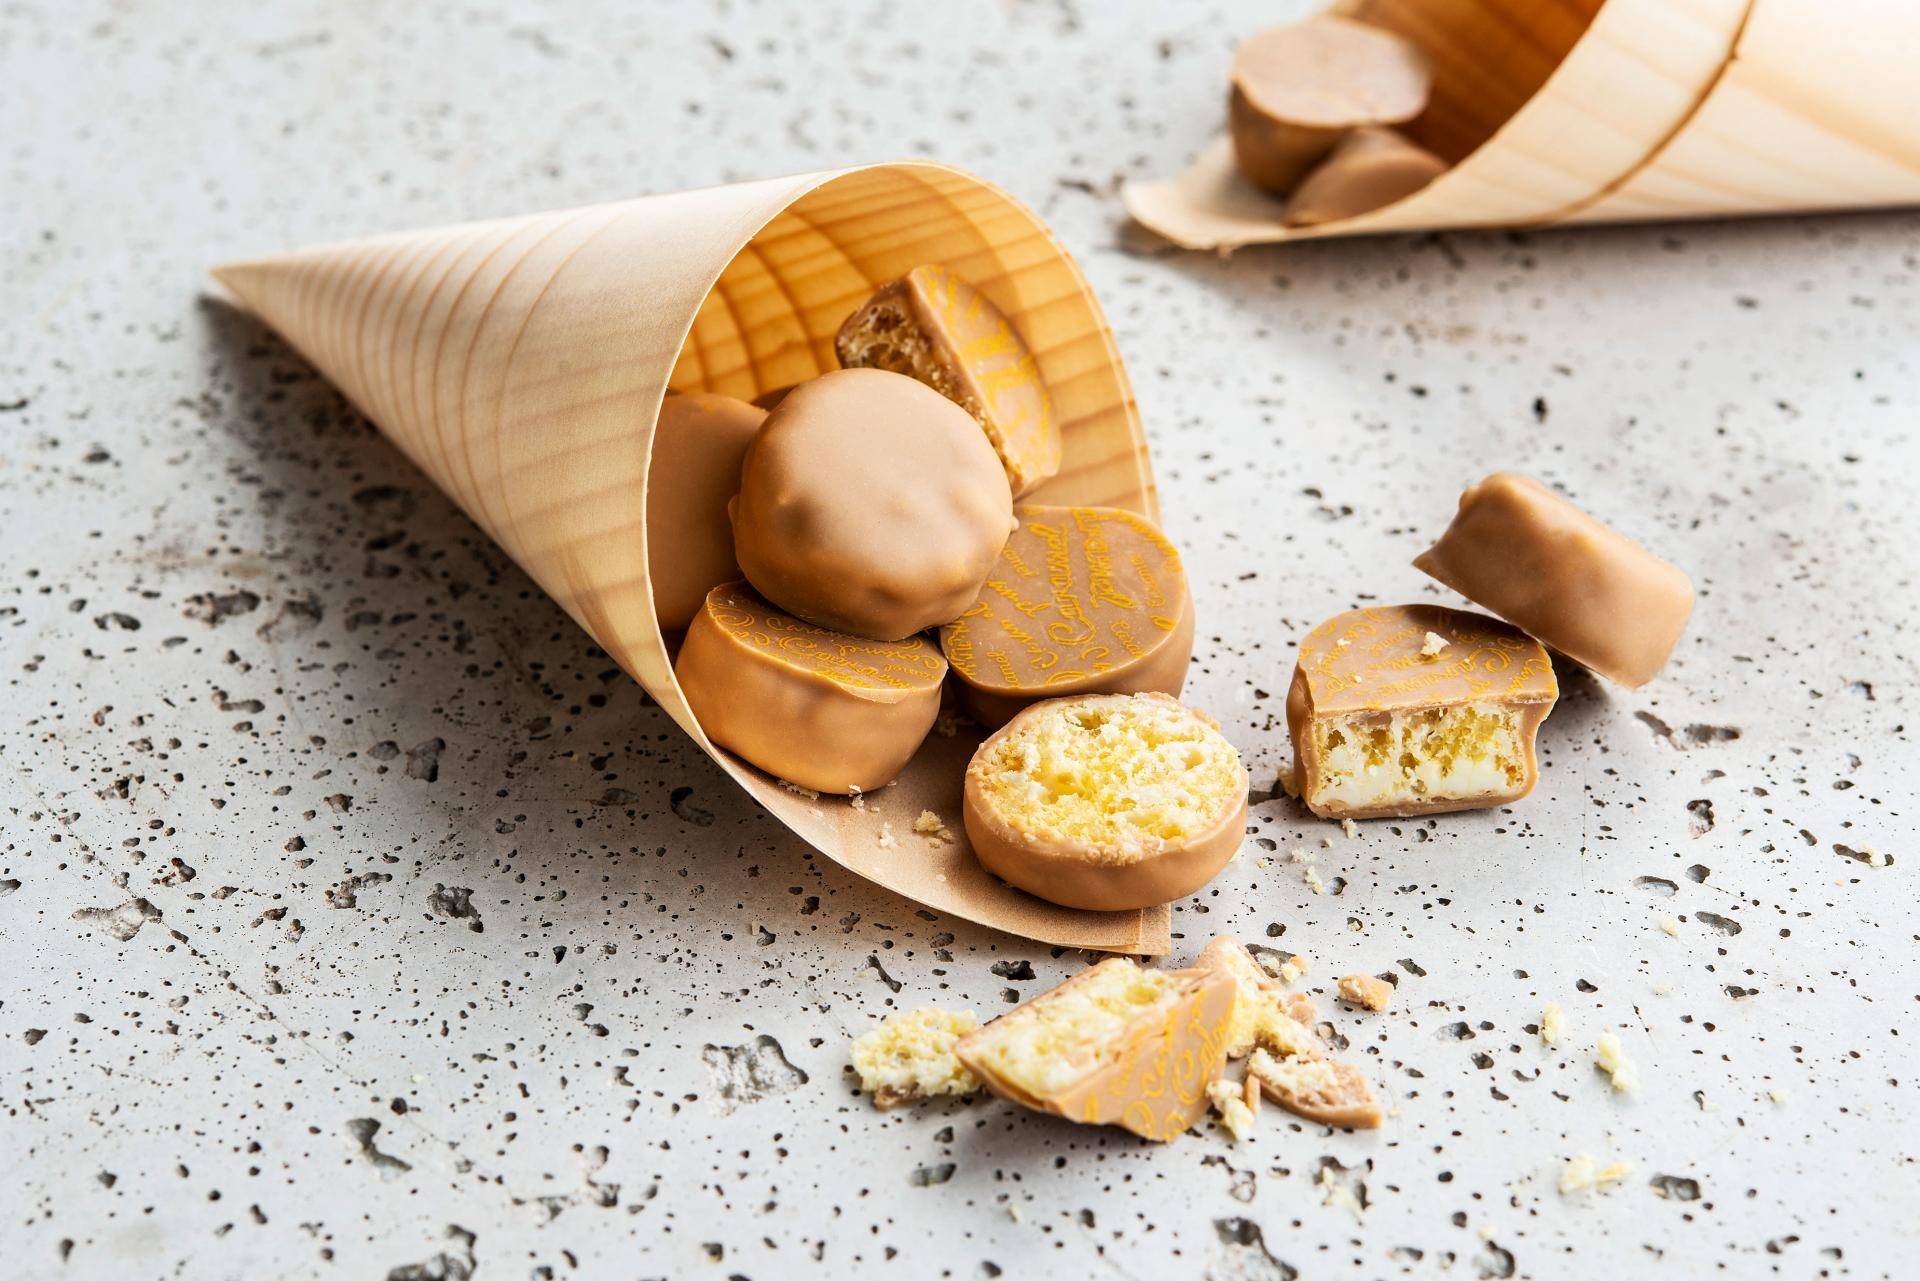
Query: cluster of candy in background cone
[848, 555]
[1311, 110]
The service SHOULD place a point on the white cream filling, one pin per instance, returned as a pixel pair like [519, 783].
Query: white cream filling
[1458, 753]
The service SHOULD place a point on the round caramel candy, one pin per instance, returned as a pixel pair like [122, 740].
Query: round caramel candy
[694, 472]
[825, 710]
[870, 504]
[1083, 600]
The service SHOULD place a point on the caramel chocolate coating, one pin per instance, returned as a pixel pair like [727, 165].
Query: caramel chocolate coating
[1083, 600]
[1152, 1080]
[694, 473]
[1386, 721]
[1371, 168]
[870, 504]
[1298, 89]
[1517, 548]
[935, 327]
[828, 711]
[1106, 802]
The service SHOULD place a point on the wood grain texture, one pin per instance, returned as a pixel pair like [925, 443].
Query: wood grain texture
[1660, 109]
[521, 364]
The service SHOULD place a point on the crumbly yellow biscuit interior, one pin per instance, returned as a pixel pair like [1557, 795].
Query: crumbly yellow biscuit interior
[910, 1056]
[1127, 776]
[1259, 1017]
[1053, 1041]
[1441, 753]
[890, 338]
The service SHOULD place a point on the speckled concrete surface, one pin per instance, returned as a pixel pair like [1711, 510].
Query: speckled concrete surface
[360, 920]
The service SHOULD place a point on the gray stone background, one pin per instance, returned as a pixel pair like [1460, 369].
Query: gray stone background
[361, 920]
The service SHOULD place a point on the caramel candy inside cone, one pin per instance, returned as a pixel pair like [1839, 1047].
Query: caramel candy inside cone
[937, 329]
[1416, 709]
[828, 711]
[1519, 549]
[1298, 89]
[1083, 600]
[1114, 1045]
[870, 504]
[1370, 168]
[698, 445]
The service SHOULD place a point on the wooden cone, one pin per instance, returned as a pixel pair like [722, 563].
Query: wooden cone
[521, 365]
[1582, 111]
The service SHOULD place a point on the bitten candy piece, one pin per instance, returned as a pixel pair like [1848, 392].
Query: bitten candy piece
[822, 709]
[695, 471]
[1297, 90]
[1106, 801]
[1370, 168]
[934, 327]
[1113, 1045]
[1083, 600]
[870, 504]
[1519, 549]
[1415, 709]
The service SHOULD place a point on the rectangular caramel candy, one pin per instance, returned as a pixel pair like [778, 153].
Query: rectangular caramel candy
[1416, 709]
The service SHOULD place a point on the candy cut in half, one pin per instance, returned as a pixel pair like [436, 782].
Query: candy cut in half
[1519, 549]
[821, 709]
[1114, 1045]
[871, 505]
[936, 328]
[1416, 709]
[1083, 600]
[1106, 801]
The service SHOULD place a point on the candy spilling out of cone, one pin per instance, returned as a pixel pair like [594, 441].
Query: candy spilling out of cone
[1415, 709]
[873, 504]
[1147, 1050]
[1513, 113]
[524, 364]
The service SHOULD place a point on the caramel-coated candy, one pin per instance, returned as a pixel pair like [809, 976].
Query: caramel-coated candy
[1416, 709]
[1083, 600]
[1519, 549]
[825, 710]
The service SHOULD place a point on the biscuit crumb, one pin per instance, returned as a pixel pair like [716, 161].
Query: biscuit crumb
[930, 826]
[1779, 1096]
[1230, 1102]
[1611, 1059]
[1336, 1193]
[1314, 882]
[1553, 1023]
[1299, 855]
[946, 724]
[885, 841]
[1874, 857]
[1365, 990]
[1671, 925]
[1661, 988]
[1292, 968]
[1583, 1174]
[857, 801]
[1347, 826]
[798, 790]
[1434, 643]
